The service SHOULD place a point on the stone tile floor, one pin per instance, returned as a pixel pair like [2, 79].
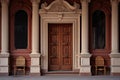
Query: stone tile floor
[60, 77]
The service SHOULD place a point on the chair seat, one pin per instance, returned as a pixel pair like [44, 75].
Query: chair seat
[20, 65]
[100, 65]
[20, 68]
[100, 69]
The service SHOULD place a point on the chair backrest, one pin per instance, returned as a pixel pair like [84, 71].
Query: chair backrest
[20, 61]
[99, 61]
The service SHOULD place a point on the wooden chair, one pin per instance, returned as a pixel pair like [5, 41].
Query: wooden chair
[100, 65]
[19, 65]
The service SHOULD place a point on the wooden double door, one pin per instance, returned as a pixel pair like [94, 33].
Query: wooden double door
[60, 47]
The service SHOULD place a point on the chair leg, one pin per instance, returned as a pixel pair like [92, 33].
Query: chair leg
[104, 71]
[96, 71]
[24, 72]
[14, 72]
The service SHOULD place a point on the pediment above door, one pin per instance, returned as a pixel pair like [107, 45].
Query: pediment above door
[60, 6]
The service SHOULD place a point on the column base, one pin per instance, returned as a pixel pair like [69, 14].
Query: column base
[35, 70]
[4, 74]
[115, 74]
[4, 66]
[85, 68]
[85, 74]
[35, 74]
[35, 64]
[115, 64]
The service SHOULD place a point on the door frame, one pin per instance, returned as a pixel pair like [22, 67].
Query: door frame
[55, 15]
[44, 47]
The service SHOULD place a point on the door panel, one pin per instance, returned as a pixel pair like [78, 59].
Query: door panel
[66, 45]
[60, 47]
[53, 47]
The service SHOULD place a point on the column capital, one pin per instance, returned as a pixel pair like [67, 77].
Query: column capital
[35, 1]
[85, 1]
[4, 1]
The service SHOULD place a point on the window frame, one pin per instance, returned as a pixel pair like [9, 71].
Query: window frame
[12, 21]
[98, 29]
[21, 30]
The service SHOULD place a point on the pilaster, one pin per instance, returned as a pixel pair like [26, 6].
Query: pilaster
[4, 55]
[35, 65]
[115, 55]
[35, 26]
[85, 26]
[85, 68]
[35, 55]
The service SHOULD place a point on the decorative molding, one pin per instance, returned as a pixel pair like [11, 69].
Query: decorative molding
[84, 65]
[59, 6]
[85, 55]
[35, 65]
[4, 55]
[60, 16]
[35, 55]
[115, 55]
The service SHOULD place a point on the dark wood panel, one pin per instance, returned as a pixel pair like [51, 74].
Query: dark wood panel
[60, 47]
